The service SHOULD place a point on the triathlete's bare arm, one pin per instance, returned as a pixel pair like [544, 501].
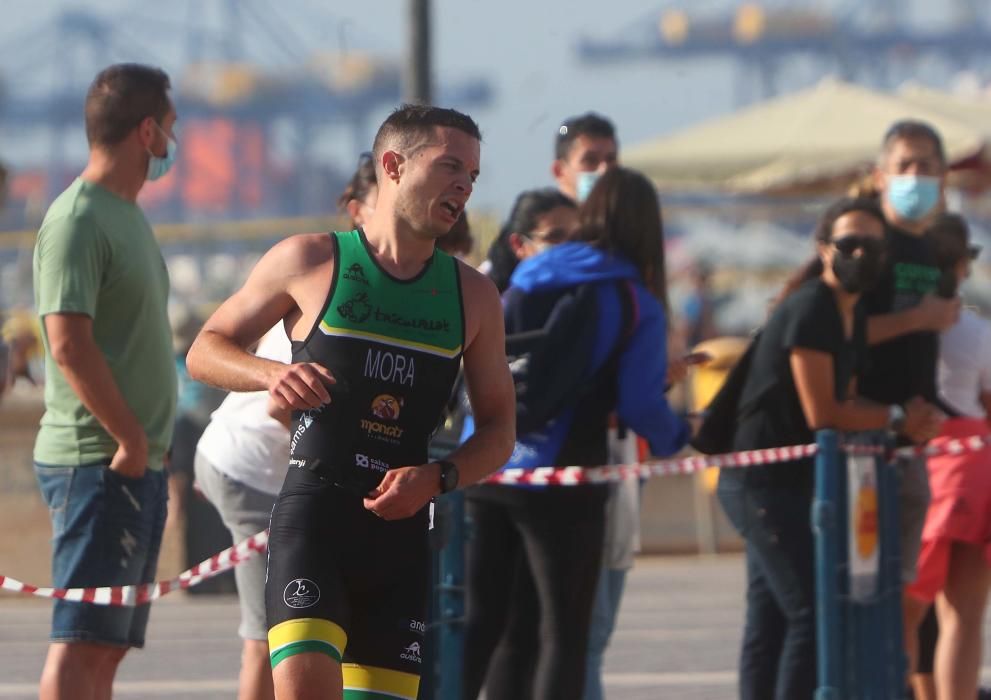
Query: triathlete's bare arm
[490, 385]
[289, 284]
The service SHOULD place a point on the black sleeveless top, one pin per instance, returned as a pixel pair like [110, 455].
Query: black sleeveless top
[394, 347]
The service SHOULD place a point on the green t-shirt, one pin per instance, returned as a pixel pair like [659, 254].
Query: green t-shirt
[96, 254]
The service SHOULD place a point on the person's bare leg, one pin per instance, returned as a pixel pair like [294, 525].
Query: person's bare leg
[913, 610]
[104, 689]
[923, 686]
[960, 608]
[308, 676]
[256, 672]
[79, 671]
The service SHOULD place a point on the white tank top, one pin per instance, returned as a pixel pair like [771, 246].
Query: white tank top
[965, 364]
[242, 440]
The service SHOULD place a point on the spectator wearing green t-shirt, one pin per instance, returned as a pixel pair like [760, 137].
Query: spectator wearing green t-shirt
[101, 288]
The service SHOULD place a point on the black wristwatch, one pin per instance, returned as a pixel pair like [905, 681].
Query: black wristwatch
[448, 476]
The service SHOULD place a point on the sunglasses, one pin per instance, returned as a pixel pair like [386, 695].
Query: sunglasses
[848, 245]
[552, 236]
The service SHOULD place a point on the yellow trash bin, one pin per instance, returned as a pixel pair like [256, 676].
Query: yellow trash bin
[21, 331]
[705, 380]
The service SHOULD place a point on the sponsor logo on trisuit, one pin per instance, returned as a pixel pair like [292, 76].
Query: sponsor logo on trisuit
[356, 309]
[301, 593]
[394, 368]
[417, 626]
[386, 407]
[422, 324]
[365, 462]
[411, 653]
[434, 291]
[356, 273]
[305, 421]
[374, 428]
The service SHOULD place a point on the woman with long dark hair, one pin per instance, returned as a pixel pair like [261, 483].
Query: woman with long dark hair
[539, 218]
[551, 538]
[801, 379]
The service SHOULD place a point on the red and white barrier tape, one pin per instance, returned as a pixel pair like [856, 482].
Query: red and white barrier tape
[973, 443]
[129, 596]
[574, 476]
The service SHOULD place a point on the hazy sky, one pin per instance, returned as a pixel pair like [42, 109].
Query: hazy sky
[527, 48]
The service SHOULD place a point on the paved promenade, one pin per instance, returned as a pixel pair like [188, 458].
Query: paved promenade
[678, 634]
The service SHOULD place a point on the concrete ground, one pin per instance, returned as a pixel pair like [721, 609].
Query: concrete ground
[678, 634]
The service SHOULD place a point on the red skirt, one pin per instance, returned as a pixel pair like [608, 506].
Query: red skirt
[960, 506]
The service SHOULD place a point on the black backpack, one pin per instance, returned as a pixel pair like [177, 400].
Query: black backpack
[551, 364]
[720, 418]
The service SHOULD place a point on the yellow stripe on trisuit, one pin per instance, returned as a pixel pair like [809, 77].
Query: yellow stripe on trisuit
[327, 329]
[380, 681]
[306, 634]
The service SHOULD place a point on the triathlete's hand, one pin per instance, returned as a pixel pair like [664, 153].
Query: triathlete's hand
[404, 491]
[278, 412]
[301, 386]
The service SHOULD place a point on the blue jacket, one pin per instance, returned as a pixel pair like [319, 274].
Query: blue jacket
[642, 366]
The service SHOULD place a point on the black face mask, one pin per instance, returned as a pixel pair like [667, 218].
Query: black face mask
[858, 274]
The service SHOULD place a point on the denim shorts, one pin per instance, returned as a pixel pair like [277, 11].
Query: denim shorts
[106, 531]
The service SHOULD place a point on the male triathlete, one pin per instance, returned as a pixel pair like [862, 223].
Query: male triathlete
[379, 321]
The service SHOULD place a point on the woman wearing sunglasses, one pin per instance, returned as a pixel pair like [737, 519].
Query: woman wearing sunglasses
[802, 378]
[539, 219]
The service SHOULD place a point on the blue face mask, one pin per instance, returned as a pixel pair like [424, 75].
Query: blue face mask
[913, 196]
[586, 181]
[158, 166]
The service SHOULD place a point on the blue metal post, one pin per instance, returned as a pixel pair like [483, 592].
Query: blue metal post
[824, 525]
[891, 578]
[451, 588]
